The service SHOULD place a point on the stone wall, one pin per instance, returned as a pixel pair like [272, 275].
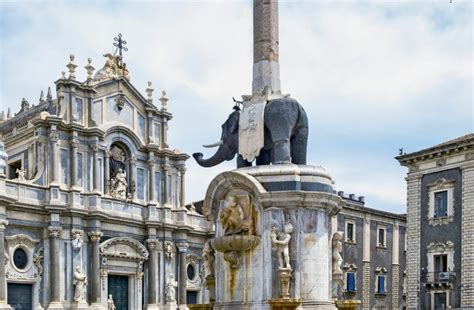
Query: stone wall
[467, 254]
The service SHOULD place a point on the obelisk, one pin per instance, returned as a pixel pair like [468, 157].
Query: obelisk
[266, 68]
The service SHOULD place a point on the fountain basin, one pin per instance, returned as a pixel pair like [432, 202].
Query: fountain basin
[235, 243]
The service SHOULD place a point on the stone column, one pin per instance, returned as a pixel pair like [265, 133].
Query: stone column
[133, 171]
[366, 292]
[53, 138]
[182, 278]
[54, 266]
[107, 172]
[166, 185]
[266, 69]
[395, 265]
[3, 291]
[74, 143]
[94, 276]
[151, 187]
[182, 196]
[95, 167]
[152, 271]
[413, 236]
[467, 228]
[151, 139]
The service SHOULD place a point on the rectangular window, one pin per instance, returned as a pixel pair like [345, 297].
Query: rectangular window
[350, 236]
[64, 166]
[441, 204]
[12, 167]
[80, 179]
[170, 185]
[78, 111]
[441, 263]
[440, 301]
[381, 237]
[157, 184]
[157, 133]
[381, 284]
[140, 184]
[351, 282]
[141, 126]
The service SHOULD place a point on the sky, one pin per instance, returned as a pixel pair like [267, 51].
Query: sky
[373, 76]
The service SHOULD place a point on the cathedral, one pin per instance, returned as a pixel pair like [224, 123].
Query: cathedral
[92, 200]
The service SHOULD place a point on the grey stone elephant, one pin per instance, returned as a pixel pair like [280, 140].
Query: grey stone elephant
[285, 136]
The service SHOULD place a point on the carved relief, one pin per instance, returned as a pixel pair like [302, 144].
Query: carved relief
[169, 250]
[124, 248]
[104, 273]
[77, 241]
[55, 231]
[208, 258]
[440, 247]
[38, 260]
[237, 218]
[118, 185]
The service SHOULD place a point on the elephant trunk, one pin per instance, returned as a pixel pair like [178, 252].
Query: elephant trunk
[222, 154]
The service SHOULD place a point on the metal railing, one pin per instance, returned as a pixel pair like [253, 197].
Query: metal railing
[438, 277]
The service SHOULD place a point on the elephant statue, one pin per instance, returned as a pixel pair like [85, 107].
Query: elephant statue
[285, 136]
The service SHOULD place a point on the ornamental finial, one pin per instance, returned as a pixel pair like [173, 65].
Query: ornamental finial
[164, 101]
[72, 67]
[149, 91]
[90, 69]
[41, 96]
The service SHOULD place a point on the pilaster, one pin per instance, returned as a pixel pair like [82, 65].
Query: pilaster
[182, 251]
[55, 232]
[395, 266]
[366, 265]
[3, 281]
[153, 302]
[467, 227]
[413, 239]
[94, 276]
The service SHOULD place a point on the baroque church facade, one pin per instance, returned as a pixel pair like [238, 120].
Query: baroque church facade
[92, 200]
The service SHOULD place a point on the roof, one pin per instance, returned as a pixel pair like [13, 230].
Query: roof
[457, 144]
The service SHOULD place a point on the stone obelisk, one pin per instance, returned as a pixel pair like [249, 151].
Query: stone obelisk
[266, 68]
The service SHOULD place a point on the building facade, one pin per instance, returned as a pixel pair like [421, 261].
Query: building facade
[373, 253]
[440, 225]
[92, 200]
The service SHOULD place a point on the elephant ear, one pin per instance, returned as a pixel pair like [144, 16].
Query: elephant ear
[233, 123]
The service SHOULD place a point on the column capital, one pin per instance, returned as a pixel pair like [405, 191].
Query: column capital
[182, 170]
[95, 235]
[182, 247]
[54, 137]
[151, 244]
[55, 231]
[74, 142]
[166, 167]
[151, 162]
[133, 160]
[95, 147]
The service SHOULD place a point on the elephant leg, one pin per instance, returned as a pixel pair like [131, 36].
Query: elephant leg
[241, 162]
[264, 158]
[299, 144]
[281, 149]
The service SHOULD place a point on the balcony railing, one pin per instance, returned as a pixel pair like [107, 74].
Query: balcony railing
[438, 277]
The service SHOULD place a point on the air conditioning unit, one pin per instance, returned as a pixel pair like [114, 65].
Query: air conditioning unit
[443, 276]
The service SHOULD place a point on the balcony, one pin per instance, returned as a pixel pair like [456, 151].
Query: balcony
[438, 279]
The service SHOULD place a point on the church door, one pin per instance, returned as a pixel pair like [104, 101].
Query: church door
[20, 296]
[118, 288]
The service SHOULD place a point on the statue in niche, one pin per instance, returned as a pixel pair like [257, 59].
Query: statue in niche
[208, 257]
[336, 252]
[80, 281]
[119, 185]
[237, 216]
[171, 289]
[281, 243]
[21, 174]
[110, 303]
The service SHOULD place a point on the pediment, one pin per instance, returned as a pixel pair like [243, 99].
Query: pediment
[123, 248]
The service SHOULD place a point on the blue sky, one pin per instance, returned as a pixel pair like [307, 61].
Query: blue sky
[373, 76]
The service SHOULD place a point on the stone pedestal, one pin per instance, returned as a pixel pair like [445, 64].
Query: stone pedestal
[249, 276]
[82, 305]
[285, 303]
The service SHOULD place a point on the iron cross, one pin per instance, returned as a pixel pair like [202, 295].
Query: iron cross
[120, 44]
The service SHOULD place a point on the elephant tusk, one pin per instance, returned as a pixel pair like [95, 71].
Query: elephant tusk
[213, 144]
